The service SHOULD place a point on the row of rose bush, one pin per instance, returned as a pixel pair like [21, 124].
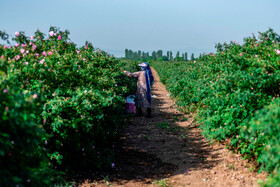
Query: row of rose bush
[61, 106]
[235, 95]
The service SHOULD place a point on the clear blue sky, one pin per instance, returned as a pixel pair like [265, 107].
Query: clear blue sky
[113, 25]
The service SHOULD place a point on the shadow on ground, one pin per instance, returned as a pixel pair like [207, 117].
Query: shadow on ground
[154, 148]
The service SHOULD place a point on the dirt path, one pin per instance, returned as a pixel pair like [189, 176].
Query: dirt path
[168, 150]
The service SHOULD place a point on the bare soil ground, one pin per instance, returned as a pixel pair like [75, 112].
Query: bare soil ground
[168, 150]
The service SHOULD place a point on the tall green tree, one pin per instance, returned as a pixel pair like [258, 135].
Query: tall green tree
[139, 55]
[159, 53]
[177, 54]
[126, 53]
[168, 55]
[186, 56]
[131, 54]
[171, 57]
[154, 55]
[192, 57]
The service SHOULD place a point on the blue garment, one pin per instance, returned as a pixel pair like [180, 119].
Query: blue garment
[149, 80]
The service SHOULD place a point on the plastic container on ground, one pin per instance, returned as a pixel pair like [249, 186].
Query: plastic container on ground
[130, 104]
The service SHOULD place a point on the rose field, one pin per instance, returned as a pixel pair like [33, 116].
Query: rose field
[62, 106]
[59, 104]
[235, 95]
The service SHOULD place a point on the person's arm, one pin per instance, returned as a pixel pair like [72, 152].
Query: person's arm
[134, 75]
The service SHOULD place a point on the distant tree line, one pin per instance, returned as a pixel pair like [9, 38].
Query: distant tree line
[156, 55]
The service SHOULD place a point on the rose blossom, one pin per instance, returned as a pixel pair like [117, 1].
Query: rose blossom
[35, 96]
[50, 53]
[34, 47]
[22, 45]
[17, 34]
[44, 53]
[16, 45]
[17, 57]
[59, 37]
[31, 37]
[21, 51]
[42, 61]
[5, 46]
[51, 33]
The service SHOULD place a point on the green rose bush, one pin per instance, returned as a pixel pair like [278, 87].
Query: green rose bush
[234, 93]
[61, 105]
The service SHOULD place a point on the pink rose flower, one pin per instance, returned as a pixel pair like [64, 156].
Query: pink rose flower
[34, 47]
[44, 53]
[59, 37]
[50, 53]
[35, 96]
[21, 51]
[31, 37]
[22, 45]
[51, 33]
[42, 61]
[5, 46]
[5, 90]
[241, 54]
[17, 34]
[277, 51]
[17, 57]
[16, 45]
[256, 45]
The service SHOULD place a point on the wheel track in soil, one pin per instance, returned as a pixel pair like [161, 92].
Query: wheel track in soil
[151, 149]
